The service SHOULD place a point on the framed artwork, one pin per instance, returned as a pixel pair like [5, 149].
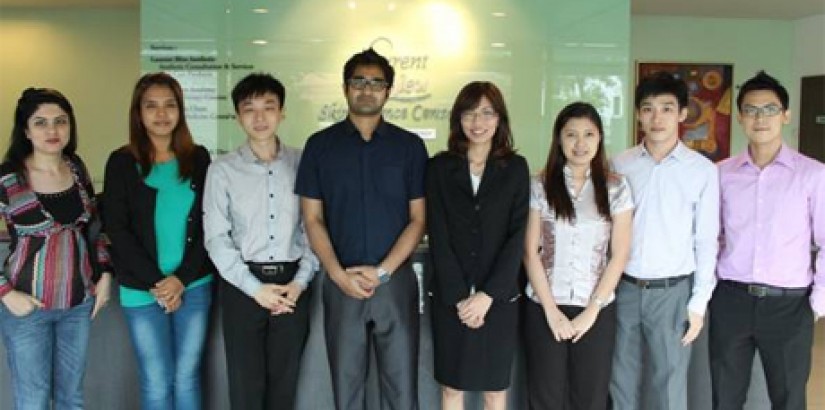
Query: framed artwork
[707, 127]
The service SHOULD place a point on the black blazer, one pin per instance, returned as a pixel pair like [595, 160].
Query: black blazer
[129, 221]
[476, 240]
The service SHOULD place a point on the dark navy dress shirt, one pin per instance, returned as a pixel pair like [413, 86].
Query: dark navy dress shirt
[366, 186]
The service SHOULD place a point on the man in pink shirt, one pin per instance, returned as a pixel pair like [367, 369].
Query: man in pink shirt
[769, 293]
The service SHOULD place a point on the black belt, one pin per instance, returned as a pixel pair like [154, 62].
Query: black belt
[762, 291]
[273, 272]
[654, 283]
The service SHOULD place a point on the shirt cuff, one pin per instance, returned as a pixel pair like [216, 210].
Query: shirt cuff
[5, 289]
[697, 306]
[818, 301]
[250, 284]
[304, 276]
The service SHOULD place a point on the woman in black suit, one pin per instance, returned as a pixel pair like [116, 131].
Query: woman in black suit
[477, 206]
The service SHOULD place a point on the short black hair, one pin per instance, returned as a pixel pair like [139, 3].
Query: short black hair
[763, 81]
[369, 57]
[257, 84]
[660, 83]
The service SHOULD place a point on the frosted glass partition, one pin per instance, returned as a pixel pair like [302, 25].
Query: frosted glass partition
[541, 53]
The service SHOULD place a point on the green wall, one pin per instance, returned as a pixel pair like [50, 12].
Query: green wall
[750, 45]
[90, 55]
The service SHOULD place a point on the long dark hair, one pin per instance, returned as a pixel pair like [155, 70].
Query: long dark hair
[555, 187]
[140, 145]
[469, 98]
[20, 146]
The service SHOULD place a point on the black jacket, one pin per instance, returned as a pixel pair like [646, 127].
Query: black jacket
[476, 240]
[129, 220]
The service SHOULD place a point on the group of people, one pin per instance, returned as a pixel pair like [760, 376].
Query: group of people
[623, 259]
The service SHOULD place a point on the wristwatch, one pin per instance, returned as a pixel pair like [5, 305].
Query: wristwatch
[600, 303]
[383, 275]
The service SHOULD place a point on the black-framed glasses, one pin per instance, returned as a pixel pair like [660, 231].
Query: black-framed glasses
[769, 110]
[374, 84]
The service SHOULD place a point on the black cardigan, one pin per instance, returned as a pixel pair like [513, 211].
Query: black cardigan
[129, 221]
[476, 240]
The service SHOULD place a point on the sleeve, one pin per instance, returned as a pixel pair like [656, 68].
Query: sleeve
[195, 256]
[309, 263]
[501, 284]
[621, 198]
[128, 254]
[449, 277]
[536, 196]
[217, 227]
[418, 168]
[705, 241]
[5, 284]
[817, 209]
[98, 242]
[307, 180]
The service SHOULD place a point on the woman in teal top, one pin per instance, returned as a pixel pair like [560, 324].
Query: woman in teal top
[153, 194]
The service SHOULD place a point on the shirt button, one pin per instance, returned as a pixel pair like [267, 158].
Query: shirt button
[473, 254]
[478, 207]
[272, 195]
[189, 239]
[271, 237]
[271, 258]
[271, 216]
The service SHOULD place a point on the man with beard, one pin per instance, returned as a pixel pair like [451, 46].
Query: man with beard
[361, 183]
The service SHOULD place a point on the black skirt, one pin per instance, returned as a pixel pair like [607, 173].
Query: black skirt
[474, 359]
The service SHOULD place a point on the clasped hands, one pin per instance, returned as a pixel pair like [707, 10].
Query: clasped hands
[570, 329]
[358, 282]
[279, 299]
[473, 309]
[169, 293]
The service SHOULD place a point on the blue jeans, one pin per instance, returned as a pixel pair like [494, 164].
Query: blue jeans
[169, 348]
[46, 344]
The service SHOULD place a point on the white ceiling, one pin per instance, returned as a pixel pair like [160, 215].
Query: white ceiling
[756, 9]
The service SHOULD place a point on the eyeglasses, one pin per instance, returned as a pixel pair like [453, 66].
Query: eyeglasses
[484, 115]
[374, 84]
[769, 110]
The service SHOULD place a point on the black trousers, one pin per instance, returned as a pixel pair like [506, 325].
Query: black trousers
[566, 375]
[779, 328]
[263, 352]
[388, 321]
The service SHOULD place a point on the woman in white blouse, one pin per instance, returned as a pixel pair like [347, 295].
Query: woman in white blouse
[577, 244]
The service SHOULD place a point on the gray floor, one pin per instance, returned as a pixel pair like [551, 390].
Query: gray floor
[111, 379]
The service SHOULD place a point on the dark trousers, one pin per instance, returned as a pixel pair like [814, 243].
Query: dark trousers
[263, 352]
[566, 375]
[388, 321]
[779, 328]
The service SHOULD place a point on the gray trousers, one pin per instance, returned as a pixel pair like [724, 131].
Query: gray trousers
[650, 326]
[389, 321]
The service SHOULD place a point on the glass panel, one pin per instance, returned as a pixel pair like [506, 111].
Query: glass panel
[543, 54]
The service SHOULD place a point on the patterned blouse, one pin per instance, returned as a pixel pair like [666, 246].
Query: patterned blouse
[574, 254]
[47, 257]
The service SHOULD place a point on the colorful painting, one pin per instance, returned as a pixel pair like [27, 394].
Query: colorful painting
[707, 127]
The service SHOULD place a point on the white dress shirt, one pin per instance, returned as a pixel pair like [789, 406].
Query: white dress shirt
[251, 215]
[676, 221]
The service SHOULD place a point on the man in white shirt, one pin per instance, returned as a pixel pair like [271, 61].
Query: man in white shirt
[662, 297]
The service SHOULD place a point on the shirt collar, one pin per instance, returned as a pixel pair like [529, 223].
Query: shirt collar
[381, 129]
[783, 157]
[249, 156]
[679, 152]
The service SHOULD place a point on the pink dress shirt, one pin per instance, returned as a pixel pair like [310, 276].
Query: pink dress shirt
[770, 218]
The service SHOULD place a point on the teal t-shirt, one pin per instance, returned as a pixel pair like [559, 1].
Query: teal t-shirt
[174, 200]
